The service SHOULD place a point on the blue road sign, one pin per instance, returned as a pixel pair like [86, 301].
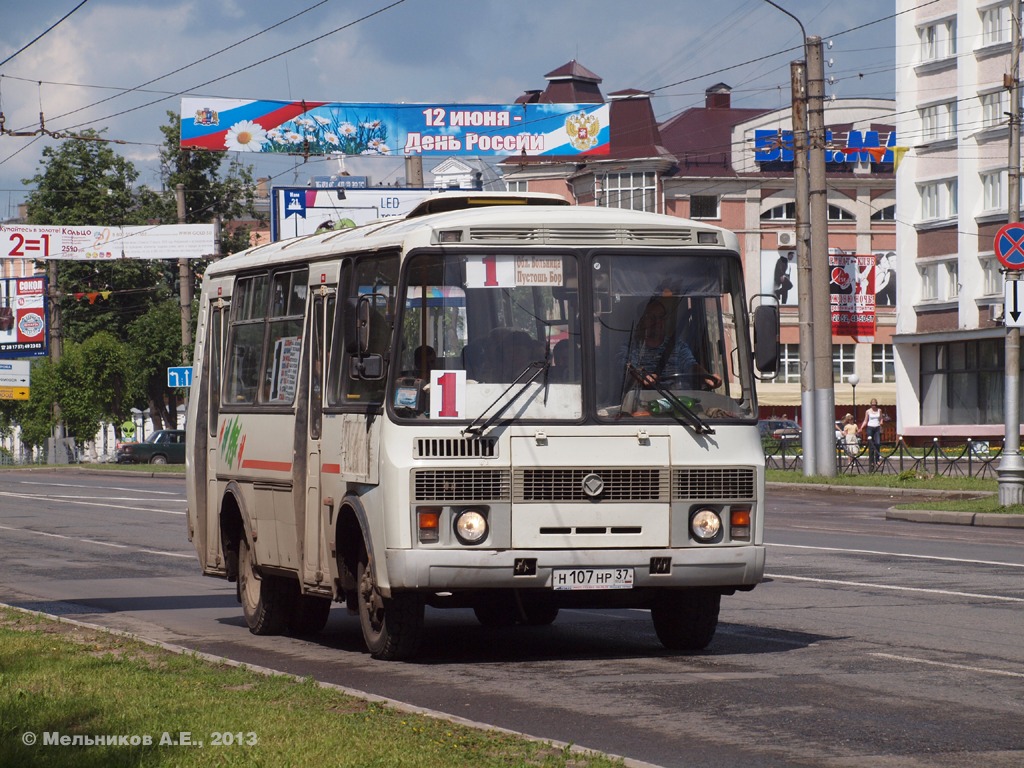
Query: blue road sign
[1009, 245]
[180, 376]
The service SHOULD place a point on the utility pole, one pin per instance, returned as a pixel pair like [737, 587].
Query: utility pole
[1011, 469]
[184, 294]
[805, 286]
[57, 455]
[821, 309]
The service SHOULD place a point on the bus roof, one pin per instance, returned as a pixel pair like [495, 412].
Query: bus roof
[498, 224]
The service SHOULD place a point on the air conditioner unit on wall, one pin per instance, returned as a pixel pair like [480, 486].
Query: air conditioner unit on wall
[785, 238]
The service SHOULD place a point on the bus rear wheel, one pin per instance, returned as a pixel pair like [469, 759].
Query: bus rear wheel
[264, 600]
[685, 620]
[392, 626]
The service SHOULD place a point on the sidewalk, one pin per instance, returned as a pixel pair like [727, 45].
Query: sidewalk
[981, 519]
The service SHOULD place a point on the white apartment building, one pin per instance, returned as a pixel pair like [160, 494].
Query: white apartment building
[951, 111]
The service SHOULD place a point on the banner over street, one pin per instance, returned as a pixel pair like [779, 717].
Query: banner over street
[323, 128]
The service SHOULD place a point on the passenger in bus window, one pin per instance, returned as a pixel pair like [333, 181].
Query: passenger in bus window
[662, 354]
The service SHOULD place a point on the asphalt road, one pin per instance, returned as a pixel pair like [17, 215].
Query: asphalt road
[873, 642]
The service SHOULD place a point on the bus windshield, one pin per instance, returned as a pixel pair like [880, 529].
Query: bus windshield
[632, 335]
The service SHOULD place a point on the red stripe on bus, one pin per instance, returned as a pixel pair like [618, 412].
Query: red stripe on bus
[276, 466]
[331, 469]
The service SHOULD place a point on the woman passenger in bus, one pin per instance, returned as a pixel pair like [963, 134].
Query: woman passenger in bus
[664, 356]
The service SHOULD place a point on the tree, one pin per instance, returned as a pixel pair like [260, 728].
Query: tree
[156, 343]
[83, 181]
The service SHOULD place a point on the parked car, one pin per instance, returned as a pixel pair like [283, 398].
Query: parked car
[165, 446]
[779, 429]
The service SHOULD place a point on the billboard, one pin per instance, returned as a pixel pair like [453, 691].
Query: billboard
[99, 243]
[23, 327]
[325, 128]
[852, 295]
[296, 211]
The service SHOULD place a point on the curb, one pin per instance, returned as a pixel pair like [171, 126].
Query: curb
[978, 519]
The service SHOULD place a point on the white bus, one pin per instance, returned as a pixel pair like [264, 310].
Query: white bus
[467, 408]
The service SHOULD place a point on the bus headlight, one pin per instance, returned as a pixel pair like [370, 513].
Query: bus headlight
[470, 526]
[705, 524]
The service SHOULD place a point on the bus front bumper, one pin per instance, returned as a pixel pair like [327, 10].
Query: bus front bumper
[459, 569]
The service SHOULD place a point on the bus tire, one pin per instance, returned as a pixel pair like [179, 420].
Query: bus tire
[685, 620]
[264, 600]
[392, 627]
[540, 615]
[308, 615]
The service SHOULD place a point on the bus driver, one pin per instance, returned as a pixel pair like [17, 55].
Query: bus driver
[664, 356]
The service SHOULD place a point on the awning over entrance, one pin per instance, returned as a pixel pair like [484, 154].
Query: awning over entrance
[788, 395]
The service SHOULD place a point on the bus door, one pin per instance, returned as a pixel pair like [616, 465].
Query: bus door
[315, 568]
[351, 432]
[207, 445]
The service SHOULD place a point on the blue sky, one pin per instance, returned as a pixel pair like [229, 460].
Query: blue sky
[418, 51]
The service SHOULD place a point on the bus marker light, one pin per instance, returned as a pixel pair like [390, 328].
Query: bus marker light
[450, 236]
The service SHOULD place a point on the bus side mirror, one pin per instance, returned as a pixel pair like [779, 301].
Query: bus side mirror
[357, 325]
[766, 338]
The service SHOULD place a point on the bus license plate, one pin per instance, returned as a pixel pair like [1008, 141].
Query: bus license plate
[592, 578]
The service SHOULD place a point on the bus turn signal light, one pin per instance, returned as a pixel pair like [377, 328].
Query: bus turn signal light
[739, 523]
[429, 521]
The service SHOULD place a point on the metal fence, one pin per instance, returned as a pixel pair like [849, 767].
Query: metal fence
[971, 458]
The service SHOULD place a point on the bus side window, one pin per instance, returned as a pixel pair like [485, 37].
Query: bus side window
[377, 275]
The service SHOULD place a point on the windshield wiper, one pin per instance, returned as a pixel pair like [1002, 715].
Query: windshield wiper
[682, 413]
[541, 366]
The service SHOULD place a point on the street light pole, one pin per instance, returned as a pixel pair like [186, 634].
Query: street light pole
[853, 380]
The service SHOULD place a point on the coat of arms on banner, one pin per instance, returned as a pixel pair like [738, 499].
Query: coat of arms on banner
[583, 130]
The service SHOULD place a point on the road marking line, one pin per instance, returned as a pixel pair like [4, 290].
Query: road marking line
[945, 592]
[89, 503]
[62, 536]
[911, 659]
[94, 541]
[98, 487]
[899, 554]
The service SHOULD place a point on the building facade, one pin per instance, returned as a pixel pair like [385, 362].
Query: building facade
[952, 196]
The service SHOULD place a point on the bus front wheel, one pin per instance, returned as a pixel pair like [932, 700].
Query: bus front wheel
[392, 626]
[685, 620]
[264, 600]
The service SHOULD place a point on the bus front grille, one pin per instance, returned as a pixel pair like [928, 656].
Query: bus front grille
[570, 484]
[708, 483]
[458, 485]
[455, 448]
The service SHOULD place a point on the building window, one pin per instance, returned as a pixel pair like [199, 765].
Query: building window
[938, 122]
[520, 185]
[789, 364]
[993, 191]
[995, 25]
[938, 199]
[885, 214]
[835, 213]
[940, 280]
[785, 211]
[704, 207]
[842, 361]
[883, 364]
[992, 277]
[938, 40]
[994, 107]
[634, 191]
[952, 275]
[962, 382]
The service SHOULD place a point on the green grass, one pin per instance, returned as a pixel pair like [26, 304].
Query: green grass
[966, 494]
[62, 679]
